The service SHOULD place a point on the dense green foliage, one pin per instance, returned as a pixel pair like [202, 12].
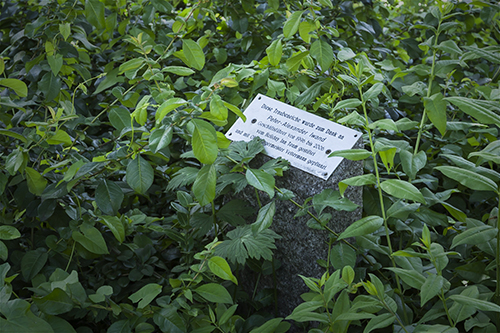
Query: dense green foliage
[115, 171]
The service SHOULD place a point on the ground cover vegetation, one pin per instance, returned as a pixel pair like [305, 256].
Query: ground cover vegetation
[115, 171]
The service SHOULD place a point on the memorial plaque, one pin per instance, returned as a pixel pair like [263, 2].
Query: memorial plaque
[304, 139]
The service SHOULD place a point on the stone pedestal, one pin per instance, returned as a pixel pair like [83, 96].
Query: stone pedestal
[301, 246]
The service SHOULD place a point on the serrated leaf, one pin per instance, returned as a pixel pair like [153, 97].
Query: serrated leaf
[362, 227]
[402, 190]
[94, 12]
[477, 303]
[345, 54]
[374, 91]
[293, 63]
[217, 108]
[168, 320]
[220, 267]
[140, 175]
[55, 63]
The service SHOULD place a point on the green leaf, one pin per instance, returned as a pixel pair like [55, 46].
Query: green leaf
[204, 185]
[64, 29]
[4, 252]
[412, 163]
[477, 303]
[132, 64]
[178, 70]
[60, 137]
[220, 267]
[204, 141]
[431, 287]
[36, 182]
[484, 54]
[402, 190]
[469, 178]
[435, 107]
[368, 179]
[33, 262]
[362, 227]
[374, 91]
[55, 303]
[18, 86]
[342, 255]
[293, 63]
[14, 135]
[91, 239]
[264, 217]
[345, 54]
[274, 52]
[474, 109]
[140, 175]
[323, 53]
[160, 138]
[352, 154]
[8, 232]
[261, 180]
[410, 277]
[110, 80]
[490, 153]
[168, 320]
[108, 197]
[146, 294]
[476, 235]
[450, 46]
[350, 103]
[304, 312]
[217, 108]
[167, 106]
[292, 24]
[379, 321]
[94, 12]
[385, 124]
[55, 63]
[330, 198]
[272, 326]
[387, 157]
[116, 226]
[215, 293]
[194, 54]
[459, 312]
[120, 118]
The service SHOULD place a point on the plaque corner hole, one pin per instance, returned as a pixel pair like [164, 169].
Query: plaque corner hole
[325, 174]
[355, 135]
[260, 97]
[328, 151]
[254, 121]
[230, 134]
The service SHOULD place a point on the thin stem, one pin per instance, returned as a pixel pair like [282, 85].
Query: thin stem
[443, 299]
[70, 257]
[429, 90]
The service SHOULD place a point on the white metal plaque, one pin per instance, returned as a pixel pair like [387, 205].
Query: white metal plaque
[302, 138]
